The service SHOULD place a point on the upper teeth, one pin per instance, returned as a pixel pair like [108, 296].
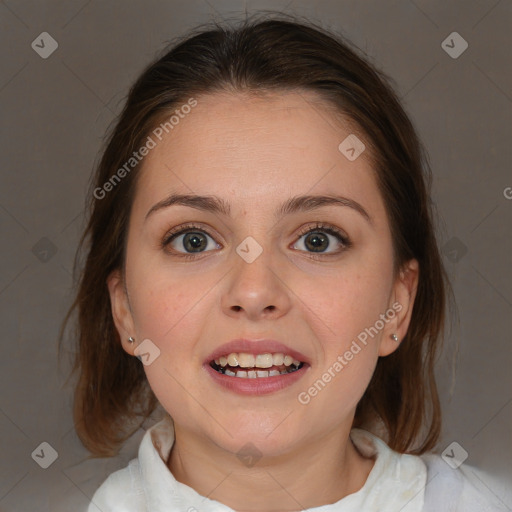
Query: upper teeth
[260, 360]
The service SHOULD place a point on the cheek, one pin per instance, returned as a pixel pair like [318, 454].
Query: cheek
[171, 307]
[162, 294]
[349, 301]
[342, 316]
[165, 310]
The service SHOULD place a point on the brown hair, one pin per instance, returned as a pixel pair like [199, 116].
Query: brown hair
[263, 56]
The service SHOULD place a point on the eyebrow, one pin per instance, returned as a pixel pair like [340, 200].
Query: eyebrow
[295, 204]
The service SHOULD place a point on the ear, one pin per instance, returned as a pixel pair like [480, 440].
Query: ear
[121, 311]
[403, 295]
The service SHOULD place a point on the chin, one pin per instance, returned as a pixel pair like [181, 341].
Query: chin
[267, 436]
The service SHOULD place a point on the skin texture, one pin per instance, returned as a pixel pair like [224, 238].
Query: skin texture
[255, 153]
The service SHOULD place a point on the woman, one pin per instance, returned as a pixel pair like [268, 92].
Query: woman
[262, 264]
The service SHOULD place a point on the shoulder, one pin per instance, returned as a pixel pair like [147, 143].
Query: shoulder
[457, 490]
[120, 492]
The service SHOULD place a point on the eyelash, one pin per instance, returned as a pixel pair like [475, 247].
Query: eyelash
[319, 226]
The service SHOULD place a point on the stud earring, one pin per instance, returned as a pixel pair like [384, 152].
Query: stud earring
[131, 340]
[394, 337]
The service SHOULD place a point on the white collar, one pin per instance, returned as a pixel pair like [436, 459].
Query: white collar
[396, 481]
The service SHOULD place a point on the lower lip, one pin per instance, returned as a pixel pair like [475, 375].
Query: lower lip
[259, 385]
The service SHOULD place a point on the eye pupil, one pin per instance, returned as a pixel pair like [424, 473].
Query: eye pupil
[315, 240]
[193, 241]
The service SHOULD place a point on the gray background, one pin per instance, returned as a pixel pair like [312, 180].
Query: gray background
[55, 112]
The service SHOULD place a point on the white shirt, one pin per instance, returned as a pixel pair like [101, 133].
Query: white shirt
[396, 483]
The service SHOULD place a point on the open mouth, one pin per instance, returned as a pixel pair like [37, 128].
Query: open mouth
[256, 366]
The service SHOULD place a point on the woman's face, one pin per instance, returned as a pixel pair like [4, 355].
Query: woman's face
[260, 271]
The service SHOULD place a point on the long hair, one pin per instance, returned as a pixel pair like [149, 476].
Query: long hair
[112, 396]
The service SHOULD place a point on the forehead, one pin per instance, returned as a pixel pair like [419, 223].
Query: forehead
[257, 146]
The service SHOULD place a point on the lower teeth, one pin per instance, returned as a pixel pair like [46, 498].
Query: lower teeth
[255, 374]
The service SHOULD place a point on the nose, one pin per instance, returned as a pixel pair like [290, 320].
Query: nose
[257, 290]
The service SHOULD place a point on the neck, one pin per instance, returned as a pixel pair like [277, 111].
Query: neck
[319, 472]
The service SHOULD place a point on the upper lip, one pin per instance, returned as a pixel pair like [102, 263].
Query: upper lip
[261, 346]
